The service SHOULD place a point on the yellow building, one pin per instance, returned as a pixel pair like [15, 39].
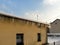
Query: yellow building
[18, 31]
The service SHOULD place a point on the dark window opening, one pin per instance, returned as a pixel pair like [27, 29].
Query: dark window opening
[19, 39]
[39, 37]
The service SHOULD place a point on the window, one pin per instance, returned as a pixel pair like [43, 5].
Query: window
[19, 39]
[39, 37]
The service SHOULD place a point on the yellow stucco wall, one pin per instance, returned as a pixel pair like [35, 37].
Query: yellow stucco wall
[8, 33]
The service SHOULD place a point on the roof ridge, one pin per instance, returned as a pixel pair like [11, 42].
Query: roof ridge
[7, 14]
[55, 20]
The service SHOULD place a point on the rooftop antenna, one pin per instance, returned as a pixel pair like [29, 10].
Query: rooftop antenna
[37, 17]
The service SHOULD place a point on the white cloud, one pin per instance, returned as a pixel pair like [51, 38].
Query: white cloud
[52, 9]
[36, 16]
[50, 2]
[31, 15]
[51, 12]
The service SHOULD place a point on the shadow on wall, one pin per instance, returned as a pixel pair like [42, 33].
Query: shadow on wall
[48, 30]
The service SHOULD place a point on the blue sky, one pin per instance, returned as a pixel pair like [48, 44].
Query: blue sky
[20, 6]
[47, 10]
